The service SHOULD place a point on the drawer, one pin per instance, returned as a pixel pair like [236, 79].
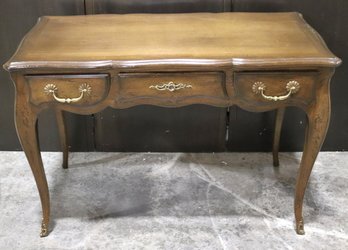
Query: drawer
[265, 88]
[172, 85]
[70, 89]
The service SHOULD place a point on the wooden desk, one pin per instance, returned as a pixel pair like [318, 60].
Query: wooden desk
[258, 61]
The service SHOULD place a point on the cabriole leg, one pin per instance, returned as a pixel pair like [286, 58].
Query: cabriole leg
[318, 121]
[26, 125]
[276, 137]
[63, 136]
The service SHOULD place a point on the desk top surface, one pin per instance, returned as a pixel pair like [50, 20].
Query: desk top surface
[237, 38]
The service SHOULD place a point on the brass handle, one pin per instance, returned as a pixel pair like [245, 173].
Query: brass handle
[292, 87]
[170, 86]
[51, 89]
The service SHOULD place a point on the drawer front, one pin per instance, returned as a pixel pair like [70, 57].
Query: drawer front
[69, 89]
[260, 88]
[172, 86]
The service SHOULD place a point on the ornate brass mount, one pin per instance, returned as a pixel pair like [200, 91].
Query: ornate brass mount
[44, 230]
[170, 86]
[300, 227]
[51, 89]
[292, 87]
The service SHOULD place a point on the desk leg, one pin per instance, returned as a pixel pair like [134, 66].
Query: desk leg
[26, 125]
[63, 136]
[318, 120]
[276, 138]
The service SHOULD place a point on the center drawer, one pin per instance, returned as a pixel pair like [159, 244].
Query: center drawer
[171, 85]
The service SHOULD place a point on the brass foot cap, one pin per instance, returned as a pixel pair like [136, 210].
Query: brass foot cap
[300, 228]
[300, 231]
[44, 231]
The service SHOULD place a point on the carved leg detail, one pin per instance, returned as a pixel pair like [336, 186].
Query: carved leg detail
[63, 137]
[276, 138]
[26, 125]
[318, 121]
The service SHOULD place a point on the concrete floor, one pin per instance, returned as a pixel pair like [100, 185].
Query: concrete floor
[174, 201]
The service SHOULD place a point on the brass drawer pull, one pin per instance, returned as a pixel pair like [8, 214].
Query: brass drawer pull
[292, 87]
[170, 86]
[51, 89]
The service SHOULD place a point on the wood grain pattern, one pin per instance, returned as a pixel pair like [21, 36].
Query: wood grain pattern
[26, 126]
[135, 88]
[241, 39]
[275, 83]
[222, 82]
[136, 124]
[318, 115]
[68, 87]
